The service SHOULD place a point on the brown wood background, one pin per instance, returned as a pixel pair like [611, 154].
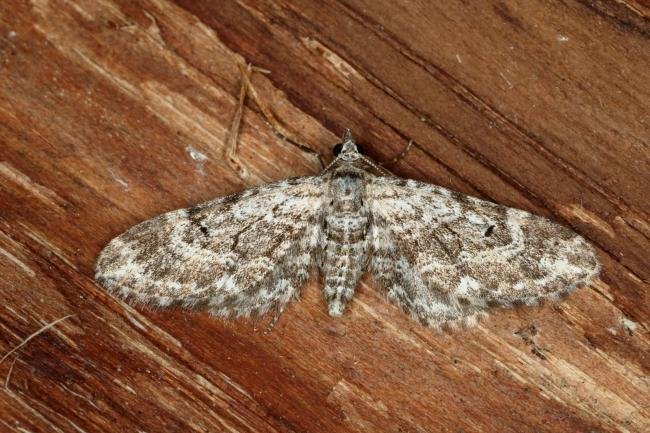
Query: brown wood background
[113, 111]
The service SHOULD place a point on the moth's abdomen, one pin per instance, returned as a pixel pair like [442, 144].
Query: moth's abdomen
[345, 256]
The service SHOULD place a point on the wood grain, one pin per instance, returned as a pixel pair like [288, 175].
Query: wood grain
[113, 111]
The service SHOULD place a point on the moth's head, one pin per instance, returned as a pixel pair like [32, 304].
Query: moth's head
[347, 149]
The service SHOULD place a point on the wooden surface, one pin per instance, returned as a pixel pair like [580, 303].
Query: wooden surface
[113, 111]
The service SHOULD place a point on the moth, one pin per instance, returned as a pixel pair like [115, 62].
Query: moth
[445, 258]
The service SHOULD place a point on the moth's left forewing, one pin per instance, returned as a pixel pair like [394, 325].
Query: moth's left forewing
[460, 254]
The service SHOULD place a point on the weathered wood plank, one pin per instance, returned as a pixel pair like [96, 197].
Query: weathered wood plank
[113, 111]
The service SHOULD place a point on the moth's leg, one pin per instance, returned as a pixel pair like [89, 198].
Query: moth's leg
[275, 319]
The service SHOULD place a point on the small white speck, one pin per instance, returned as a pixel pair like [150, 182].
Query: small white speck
[459, 60]
[124, 184]
[510, 86]
[136, 322]
[195, 154]
[562, 38]
[628, 325]
[11, 34]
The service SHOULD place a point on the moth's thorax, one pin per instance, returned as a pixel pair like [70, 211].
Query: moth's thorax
[346, 190]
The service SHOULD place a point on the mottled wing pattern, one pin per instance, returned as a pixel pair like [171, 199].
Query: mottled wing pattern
[445, 257]
[238, 255]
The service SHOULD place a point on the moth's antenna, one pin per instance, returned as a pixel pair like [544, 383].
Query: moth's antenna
[399, 156]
